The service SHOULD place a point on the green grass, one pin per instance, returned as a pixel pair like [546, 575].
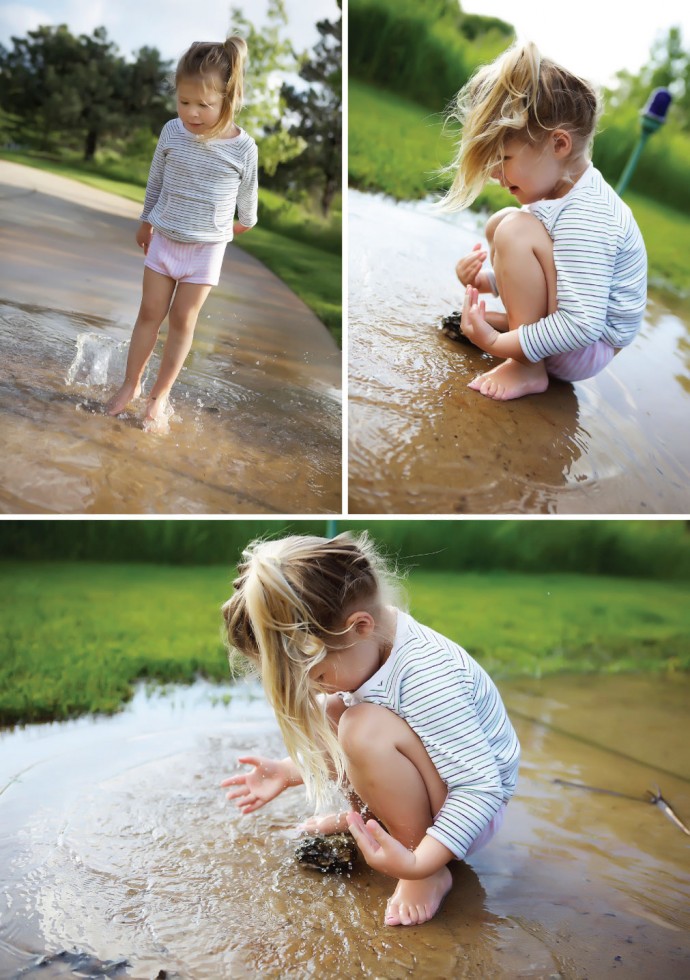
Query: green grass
[398, 147]
[313, 274]
[303, 250]
[77, 636]
[534, 625]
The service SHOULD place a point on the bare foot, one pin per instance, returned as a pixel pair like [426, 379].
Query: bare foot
[333, 823]
[121, 399]
[511, 379]
[414, 902]
[157, 414]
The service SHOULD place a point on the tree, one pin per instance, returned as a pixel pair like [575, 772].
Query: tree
[318, 111]
[668, 67]
[64, 86]
[270, 56]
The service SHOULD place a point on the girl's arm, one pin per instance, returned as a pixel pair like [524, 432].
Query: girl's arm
[154, 183]
[248, 193]
[387, 855]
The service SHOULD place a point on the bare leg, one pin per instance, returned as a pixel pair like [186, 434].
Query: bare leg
[184, 312]
[156, 294]
[392, 773]
[522, 254]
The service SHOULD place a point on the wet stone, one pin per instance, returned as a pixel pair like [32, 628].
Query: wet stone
[328, 853]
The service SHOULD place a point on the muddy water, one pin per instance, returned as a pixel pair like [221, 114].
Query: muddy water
[257, 412]
[117, 844]
[422, 442]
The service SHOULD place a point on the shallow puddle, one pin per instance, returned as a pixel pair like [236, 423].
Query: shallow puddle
[422, 442]
[118, 846]
[257, 409]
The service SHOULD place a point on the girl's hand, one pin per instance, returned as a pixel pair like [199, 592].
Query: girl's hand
[144, 236]
[474, 323]
[252, 790]
[469, 270]
[381, 851]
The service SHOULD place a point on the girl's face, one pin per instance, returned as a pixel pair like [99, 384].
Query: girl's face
[352, 660]
[534, 172]
[199, 103]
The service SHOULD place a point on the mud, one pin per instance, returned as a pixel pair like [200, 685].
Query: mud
[257, 423]
[420, 441]
[117, 844]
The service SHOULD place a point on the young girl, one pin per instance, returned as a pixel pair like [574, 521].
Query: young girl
[361, 690]
[570, 266]
[203, 168]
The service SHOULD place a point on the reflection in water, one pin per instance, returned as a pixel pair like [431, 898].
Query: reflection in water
[117, 843]
[421, 441]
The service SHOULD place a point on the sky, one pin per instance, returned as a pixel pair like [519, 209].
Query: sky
[169, 25]
[595, 38]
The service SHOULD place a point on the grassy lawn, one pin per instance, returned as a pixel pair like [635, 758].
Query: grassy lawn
[301, 249]
[399, 148]
[78, 635]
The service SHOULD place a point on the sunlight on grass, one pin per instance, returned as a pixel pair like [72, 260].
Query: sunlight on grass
[78, 636]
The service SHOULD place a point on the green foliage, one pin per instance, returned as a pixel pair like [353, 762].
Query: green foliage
[313, 273]
[318, 113]
[66, 87]
[537, 625]
[666, 234]
[636, 549]
[423, 49]
[76, 637]
[264, 106]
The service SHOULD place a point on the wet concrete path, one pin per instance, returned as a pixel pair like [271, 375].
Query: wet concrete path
[117, 843]
[258, 404]
[422, 442]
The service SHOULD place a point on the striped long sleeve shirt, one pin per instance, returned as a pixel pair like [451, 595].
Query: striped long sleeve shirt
[601, 268]
[452, 704]
[195, 185]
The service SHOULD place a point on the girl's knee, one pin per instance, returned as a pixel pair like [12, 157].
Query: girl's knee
[495, 220]
[362, 727]
[519, 230]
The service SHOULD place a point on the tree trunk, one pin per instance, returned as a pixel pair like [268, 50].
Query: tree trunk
[90, 145]
[330, 189]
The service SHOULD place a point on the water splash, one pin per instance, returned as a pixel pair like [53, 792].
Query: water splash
[100, 361]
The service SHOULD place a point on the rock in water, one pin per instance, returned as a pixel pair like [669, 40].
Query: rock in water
[327, 852]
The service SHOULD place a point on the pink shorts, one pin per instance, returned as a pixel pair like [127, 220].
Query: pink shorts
[489, 831]
[576, 365]
[198, 262]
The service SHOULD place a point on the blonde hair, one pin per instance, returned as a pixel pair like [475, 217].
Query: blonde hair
[226, 61]
[520, 95]
[290, 598]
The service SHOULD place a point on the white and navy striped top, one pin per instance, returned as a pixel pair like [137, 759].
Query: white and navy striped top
[601, 267]
[452, 704]
[195, 185]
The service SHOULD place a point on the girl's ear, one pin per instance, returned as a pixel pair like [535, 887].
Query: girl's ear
[361, 622]
[562, 143]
